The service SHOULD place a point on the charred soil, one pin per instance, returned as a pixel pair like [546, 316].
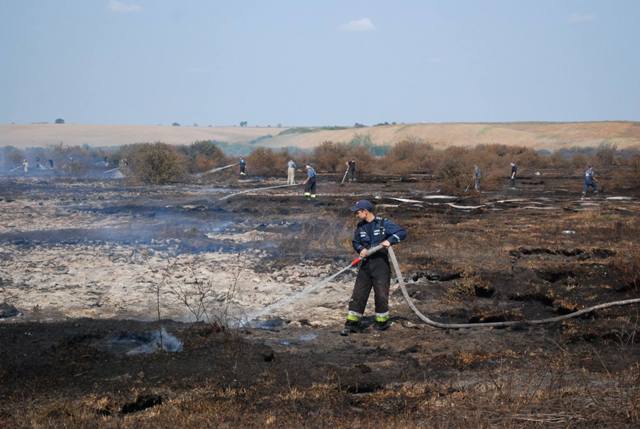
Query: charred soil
[89, 267]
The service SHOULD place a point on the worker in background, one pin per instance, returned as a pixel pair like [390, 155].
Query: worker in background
[589, 181]
[243, 167]
[51, 164]
[351, 170]
[374, 271]
[291, 172]
[25, 166]
[477, 174]
[310, 182]
[514, 172]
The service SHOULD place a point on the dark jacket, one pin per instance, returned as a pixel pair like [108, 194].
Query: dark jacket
[370, 234]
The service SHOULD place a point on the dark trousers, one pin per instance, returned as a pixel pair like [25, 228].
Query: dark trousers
[374, 273]
[589, 184]
[310, 186]
[351, 175]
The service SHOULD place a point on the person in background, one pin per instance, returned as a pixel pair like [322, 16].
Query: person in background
[589, 182]
[291, 172]
[477, 174]
[243, 167]
[351, 170]
[310, 182]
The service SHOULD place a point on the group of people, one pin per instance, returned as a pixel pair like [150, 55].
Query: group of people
[25, 165]
[310, 181]
[589, 179]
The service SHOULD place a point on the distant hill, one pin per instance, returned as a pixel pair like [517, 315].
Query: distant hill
[117, 135]
[537, 135]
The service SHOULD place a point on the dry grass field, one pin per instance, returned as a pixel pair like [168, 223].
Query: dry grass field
[533, 135]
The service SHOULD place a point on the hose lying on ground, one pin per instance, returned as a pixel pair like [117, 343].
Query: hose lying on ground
[254, 190]
[430, 322]
[396, 268]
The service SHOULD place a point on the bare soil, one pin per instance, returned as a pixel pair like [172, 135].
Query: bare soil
[90, 264]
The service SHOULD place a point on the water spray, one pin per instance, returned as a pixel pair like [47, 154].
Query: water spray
[303, 293]
[215, 170]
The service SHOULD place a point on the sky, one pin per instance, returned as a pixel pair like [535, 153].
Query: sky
[329, 62]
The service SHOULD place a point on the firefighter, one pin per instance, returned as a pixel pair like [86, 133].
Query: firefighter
[374, 271]
[351, 170]
[25, 166]
[310, 182]
[477, 174]
[589, 182]
[291, 172]
[243, 167]
[514, 172]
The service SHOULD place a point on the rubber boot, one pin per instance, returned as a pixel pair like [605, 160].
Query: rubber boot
[382, 326]
[351, 327]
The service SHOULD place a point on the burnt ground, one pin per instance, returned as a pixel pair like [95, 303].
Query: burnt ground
[506, 254]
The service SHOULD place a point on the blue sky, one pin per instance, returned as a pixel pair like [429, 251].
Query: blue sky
[318, 62]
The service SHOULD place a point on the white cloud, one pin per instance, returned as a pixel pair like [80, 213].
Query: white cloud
[581, 18]
[363, 24]
[122, 7]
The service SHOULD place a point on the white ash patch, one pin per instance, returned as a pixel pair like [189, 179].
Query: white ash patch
[118, 281]
[28, 215]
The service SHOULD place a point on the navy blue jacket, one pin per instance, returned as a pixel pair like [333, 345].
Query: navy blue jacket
[370, 234]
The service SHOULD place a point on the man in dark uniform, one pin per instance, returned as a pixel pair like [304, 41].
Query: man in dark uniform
[310, 183]
[243, 167]
[514, 172]
[375, 271]
[351, 170]
[589, 182]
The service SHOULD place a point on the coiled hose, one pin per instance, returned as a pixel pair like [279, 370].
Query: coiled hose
[430, 322]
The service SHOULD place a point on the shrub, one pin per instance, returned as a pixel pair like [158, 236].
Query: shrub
[10, 157]
[266, 162]
[330, 157]
[203, 156]
[156, 163]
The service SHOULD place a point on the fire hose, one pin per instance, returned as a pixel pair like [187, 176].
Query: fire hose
[254, 190]
[433, 323]
[423, 317]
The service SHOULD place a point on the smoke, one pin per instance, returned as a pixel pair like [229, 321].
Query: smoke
[57, 161]
[144, 343]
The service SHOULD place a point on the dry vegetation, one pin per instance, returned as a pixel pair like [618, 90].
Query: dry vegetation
[160, 163]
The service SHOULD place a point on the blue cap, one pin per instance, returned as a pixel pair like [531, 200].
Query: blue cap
[362, 205]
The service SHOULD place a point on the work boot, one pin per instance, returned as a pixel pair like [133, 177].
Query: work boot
[351, 327]
[382, 325]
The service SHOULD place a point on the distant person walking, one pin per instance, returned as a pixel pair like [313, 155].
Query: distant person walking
[25, 166]
[51, 164]
[477, 174]
[514, 172]
[243, 167]
[310, 182]
[291, 172]
[589, 182]
[351, 170]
